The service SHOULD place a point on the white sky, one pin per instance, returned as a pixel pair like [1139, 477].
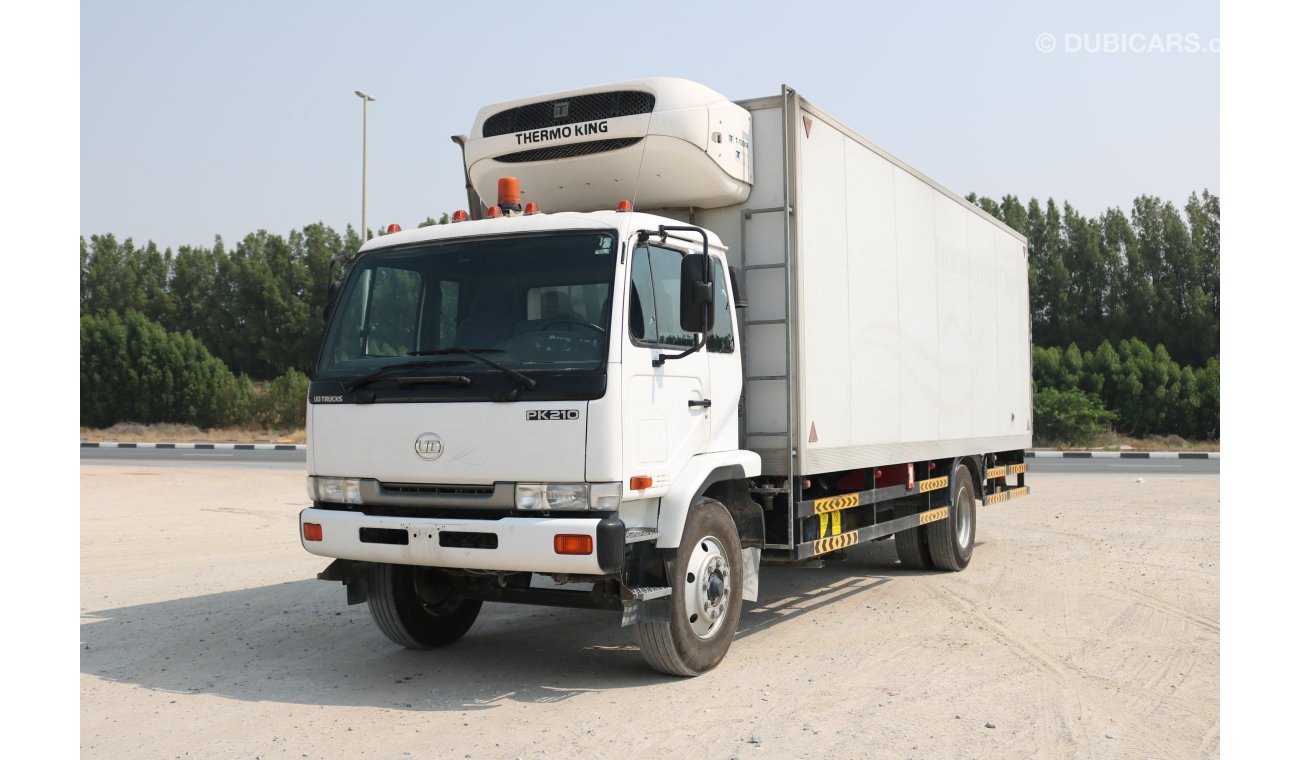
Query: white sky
[206, 118]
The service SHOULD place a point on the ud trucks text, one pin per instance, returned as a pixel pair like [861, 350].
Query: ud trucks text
[673, 337]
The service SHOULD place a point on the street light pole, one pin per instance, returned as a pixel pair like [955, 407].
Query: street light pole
[365, 127]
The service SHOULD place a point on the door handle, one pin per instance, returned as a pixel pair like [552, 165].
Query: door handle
[706, 403]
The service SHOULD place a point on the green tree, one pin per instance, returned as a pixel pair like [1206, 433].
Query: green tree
[134, 370]
[1068, 417]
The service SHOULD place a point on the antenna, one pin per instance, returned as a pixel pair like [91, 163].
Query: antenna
[640, 164]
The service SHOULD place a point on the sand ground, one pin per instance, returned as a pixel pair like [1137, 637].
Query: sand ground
[1086, 626]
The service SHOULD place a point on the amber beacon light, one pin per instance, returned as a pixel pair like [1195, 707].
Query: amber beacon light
[508, 194]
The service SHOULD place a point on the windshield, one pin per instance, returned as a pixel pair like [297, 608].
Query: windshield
[502, 306]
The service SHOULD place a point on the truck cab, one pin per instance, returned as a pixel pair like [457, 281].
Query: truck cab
[521, 396]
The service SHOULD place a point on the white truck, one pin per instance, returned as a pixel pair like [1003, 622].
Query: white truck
[796, 343]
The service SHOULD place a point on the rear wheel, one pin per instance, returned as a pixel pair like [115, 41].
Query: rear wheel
[952, 541]
[706, 582]
[913, 552]
[418, 608]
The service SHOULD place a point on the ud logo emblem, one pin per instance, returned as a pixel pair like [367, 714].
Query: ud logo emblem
[428, 446]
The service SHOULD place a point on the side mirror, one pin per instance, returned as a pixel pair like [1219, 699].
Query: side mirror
[696, 294]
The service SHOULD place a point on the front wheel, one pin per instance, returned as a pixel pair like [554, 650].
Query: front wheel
[706, 582]
[418, 608]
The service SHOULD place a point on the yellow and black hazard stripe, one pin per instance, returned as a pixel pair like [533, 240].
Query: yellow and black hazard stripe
[933, 515]
[933, 484]
[836, 503]
[1016, 469]
[996, 472]
[1001, 496]
[834, 543]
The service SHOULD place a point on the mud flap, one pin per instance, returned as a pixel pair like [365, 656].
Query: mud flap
[749, 560]
[649, 611]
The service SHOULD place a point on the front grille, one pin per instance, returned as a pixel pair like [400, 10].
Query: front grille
[575, 110]
[567, 151]
[427, 490]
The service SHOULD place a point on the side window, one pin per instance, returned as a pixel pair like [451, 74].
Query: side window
[666, 266]
[351, 342]
[641, 300]
[721, 338]
[654, 313]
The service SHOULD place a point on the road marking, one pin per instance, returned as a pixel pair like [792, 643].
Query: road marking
[1144, 466]
[187, 454]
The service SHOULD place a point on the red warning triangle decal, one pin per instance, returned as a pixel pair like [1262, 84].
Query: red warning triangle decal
[812, 434]
[807, 127]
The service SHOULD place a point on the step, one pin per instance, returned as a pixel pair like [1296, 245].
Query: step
[646, 593]
[634, 535]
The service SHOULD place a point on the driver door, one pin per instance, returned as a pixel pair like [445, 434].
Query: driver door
[664, 428]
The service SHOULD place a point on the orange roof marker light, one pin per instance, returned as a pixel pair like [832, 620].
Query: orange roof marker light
[508, 194]
[459, 216]
[493, 212]
[530, 209]
[625, 205]
[394, 228]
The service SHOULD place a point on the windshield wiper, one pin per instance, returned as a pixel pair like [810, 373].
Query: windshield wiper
[384, 371]
[528, 382]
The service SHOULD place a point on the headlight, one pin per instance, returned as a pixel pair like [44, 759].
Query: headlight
[561, 497]
[336, 490]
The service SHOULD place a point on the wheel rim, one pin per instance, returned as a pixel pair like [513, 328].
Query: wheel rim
[708, 587]
[965, 523]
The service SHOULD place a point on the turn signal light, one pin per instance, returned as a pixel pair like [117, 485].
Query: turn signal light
[312, 532]
[566, 543]
[640, 483]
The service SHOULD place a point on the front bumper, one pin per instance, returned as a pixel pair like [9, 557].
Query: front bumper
[523, 544]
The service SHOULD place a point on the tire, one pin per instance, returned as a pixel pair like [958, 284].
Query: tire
[417, 609]
[912, 548]
[706, 582]
[952, 541]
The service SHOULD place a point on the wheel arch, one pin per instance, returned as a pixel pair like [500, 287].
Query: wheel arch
[722, 477]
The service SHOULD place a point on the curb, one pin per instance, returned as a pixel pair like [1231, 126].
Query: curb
[1122, 454]
[222, 446]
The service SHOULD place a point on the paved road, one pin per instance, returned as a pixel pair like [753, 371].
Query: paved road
[195, 457]
[1135, 467]
[295, 459]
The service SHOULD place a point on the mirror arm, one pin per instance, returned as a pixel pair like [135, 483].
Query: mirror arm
[663, 358]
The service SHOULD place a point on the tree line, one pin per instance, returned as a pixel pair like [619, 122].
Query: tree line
[1130, 387]
[1124, 311]
[1151, 274]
